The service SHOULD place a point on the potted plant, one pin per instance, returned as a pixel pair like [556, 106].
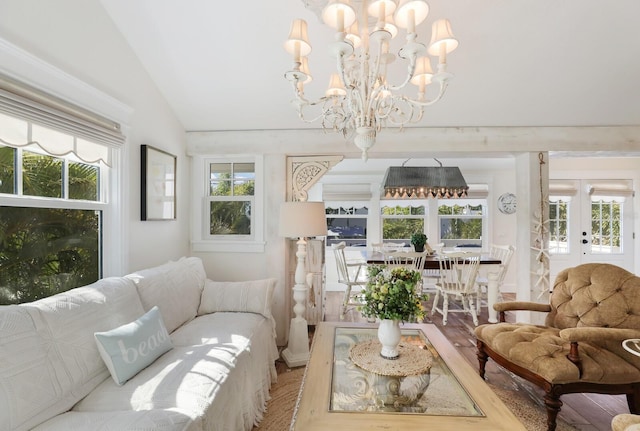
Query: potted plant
[393, 296]
[418, 240]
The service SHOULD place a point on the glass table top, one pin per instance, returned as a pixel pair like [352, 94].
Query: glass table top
[353, 389]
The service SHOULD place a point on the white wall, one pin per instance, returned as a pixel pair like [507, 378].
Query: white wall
[78, 37]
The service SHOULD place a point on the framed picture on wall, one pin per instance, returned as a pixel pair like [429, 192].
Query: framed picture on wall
[158, 184]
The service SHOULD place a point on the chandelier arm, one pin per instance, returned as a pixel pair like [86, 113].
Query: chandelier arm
[410, 118]
[303, 101]
[341, 70]
[411, 70]
[374, 75]
[443, 88]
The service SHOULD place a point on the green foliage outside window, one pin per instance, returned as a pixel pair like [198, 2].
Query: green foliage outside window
[44, 251]
[465, 222]
[606, 221]
[400, 222]
[232, 216]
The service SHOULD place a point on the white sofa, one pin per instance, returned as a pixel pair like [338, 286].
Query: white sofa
[216, 376]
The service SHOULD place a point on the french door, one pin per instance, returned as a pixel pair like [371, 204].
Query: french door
[591, 221]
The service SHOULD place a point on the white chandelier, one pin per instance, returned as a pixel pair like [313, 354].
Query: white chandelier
[359, 99]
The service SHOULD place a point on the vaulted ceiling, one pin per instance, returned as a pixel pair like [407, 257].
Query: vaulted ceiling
[220, 64]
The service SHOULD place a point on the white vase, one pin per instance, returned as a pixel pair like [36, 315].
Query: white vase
[389, 337]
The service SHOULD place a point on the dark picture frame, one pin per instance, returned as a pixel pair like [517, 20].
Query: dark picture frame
[158, 184]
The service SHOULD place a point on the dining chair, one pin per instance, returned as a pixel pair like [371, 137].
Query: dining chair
[458, 272]
[409, 259]
[388, 246]
[351, 274]
[431, 276]
[503, 253]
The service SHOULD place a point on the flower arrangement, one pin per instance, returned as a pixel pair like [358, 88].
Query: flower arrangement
[393, 294]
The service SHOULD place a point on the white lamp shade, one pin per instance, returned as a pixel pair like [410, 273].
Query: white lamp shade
[304, 68]
[298, 38]
[338, 14]
[411, 13]
[378, 7]
[423, 70]
[302, 219]
[336, 88]
[441, 34]
[353, 35]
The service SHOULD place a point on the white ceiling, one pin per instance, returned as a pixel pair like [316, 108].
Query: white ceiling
[220, 64]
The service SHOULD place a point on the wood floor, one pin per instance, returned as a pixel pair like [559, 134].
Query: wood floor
[588, 412]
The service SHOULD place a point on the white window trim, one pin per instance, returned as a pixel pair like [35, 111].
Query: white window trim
[201, 241]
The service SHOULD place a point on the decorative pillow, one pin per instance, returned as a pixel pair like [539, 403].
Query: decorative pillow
[243, 296]
[130, 348]
[175, 287]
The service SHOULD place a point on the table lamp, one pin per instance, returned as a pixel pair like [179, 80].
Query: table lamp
[300, 220]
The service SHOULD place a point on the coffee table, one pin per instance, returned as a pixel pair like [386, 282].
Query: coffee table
[338, 395]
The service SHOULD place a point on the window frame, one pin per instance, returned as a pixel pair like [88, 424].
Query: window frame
[201, 238]
[342, 205]
[105, 205]
[404, 203]
[462, 202]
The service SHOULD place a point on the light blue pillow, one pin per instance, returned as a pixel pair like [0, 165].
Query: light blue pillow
[130, 348]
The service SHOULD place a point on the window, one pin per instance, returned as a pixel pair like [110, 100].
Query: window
[231, 198]
[51, 214]
[231, 219]
[399, 222]
[559, 226]
[346, 223]
[461, 224]
[606, 222]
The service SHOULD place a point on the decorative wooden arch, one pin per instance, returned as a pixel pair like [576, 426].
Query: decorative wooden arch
[304, 172]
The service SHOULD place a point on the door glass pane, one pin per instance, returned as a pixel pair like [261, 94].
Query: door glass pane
[45, 251]
[230, 218]
[606, 227]
[558, 227]
[41, 175]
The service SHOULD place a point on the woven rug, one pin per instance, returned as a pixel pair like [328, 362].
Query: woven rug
[285, 393]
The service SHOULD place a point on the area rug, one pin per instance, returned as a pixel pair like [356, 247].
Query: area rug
[285, 393]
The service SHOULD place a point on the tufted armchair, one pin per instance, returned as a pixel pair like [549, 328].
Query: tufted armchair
[592, 309]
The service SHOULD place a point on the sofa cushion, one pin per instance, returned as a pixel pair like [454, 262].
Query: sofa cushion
[222, 383]
[128, 349]
[156, 420]
[541, 350]
[175, 288]
[49, 357]
[28, 384]
[241, 296]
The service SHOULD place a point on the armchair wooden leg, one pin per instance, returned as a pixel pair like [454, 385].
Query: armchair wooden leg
[482, 358]
[633, 400]
[553, 404]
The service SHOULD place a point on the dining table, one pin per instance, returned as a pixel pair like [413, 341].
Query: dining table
[490, 264]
